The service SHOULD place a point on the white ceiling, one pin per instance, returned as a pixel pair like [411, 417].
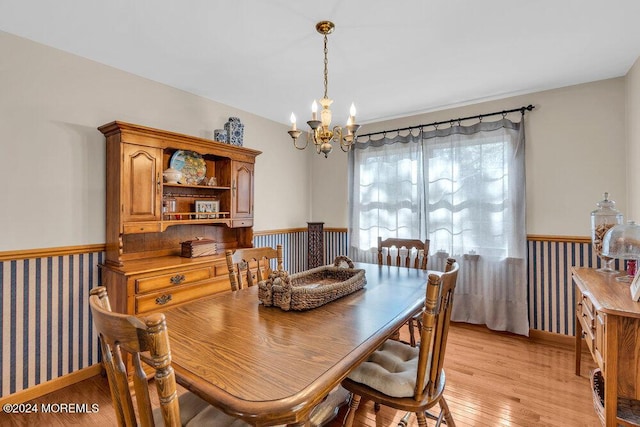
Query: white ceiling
[392, 58]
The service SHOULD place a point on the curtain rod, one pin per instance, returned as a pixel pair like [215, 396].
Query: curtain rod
[452, 121]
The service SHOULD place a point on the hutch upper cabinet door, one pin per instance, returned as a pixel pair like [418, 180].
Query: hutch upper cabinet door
[242, 190]
[142, 179]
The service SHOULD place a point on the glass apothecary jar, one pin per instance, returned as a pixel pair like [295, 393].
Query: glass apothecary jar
[168, 207]
[602, 219]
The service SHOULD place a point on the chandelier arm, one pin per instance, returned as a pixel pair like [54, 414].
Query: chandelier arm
[295, 144]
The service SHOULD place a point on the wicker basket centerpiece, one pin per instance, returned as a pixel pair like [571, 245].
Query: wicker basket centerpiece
[311, 288]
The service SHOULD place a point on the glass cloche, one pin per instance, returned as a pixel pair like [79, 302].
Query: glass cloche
[622, 241]
[602, 219]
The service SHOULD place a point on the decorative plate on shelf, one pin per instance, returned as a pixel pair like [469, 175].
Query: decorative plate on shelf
[191, 164]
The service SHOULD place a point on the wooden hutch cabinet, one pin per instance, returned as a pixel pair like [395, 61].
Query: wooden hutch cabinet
[143, 270]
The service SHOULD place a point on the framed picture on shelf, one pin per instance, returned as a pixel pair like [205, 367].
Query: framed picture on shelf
[207, 209]
[635, 287]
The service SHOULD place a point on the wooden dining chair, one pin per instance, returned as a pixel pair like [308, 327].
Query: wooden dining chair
[405, 249]
[136, 335]
[248, 266]
[411, 378]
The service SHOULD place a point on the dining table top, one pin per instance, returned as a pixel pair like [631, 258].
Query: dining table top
[269, 366]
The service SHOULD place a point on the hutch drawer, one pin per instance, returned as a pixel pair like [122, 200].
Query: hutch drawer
[174, 278]
[172, 296]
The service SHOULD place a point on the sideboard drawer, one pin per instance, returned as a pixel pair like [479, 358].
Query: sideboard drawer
[586, 316]
[172, 296]
[162, 281]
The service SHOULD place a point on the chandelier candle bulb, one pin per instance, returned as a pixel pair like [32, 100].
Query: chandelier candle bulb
[314, 110]
[293, 121]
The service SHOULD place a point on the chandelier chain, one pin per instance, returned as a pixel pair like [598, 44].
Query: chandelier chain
[326, 66]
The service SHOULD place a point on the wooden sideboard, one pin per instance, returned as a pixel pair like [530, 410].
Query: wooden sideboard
[143, 269]
[609, 321]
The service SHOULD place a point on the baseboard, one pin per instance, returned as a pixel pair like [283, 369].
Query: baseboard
[53, 385]
[534, 335]
[552, 337]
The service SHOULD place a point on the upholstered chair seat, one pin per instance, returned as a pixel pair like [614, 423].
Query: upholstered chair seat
[392, 369]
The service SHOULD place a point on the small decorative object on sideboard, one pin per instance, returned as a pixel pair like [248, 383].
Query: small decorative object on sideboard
[210, 207]
[622, 242]
[198, 247]
[602, 219]
[172, 176]
[190, 164]
[220, 135]
[235, 131]
[635, 287]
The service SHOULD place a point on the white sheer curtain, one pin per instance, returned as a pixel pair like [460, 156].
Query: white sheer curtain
[388, 194]
[463, 188]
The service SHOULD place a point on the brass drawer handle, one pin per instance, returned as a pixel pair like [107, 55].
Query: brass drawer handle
[177, 279]
[163, 299]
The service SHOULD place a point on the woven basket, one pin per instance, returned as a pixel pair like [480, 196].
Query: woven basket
[597, 389]
[628, 409]
[311, 288]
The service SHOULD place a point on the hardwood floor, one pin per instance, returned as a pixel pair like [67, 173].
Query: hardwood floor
[493, 379]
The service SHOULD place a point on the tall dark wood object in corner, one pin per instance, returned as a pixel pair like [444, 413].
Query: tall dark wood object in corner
[315, 233]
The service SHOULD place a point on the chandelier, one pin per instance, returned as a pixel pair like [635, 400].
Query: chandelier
[321, 132]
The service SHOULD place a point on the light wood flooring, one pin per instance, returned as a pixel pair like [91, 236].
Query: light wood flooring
[493, 379]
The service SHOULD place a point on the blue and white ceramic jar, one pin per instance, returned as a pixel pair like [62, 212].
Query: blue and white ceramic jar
[220, 135]
[235, 131]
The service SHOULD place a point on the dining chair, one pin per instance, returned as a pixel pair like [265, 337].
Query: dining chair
[411, 378]
[405, 249]
[136, 335]
[248, 266]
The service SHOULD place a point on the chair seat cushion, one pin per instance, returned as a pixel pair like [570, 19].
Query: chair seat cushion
[392, 369]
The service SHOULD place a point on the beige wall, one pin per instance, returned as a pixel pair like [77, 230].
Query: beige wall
[633, 137]
[575, 151]
[53, 157]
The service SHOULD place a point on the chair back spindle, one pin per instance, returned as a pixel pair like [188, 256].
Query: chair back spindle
[404, 250]
[242, 263]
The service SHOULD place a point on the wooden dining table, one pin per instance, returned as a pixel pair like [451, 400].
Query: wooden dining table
[269, 366]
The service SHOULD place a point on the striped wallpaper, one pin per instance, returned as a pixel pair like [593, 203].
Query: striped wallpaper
[294, 244]
[46, 327]
[551, 291]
